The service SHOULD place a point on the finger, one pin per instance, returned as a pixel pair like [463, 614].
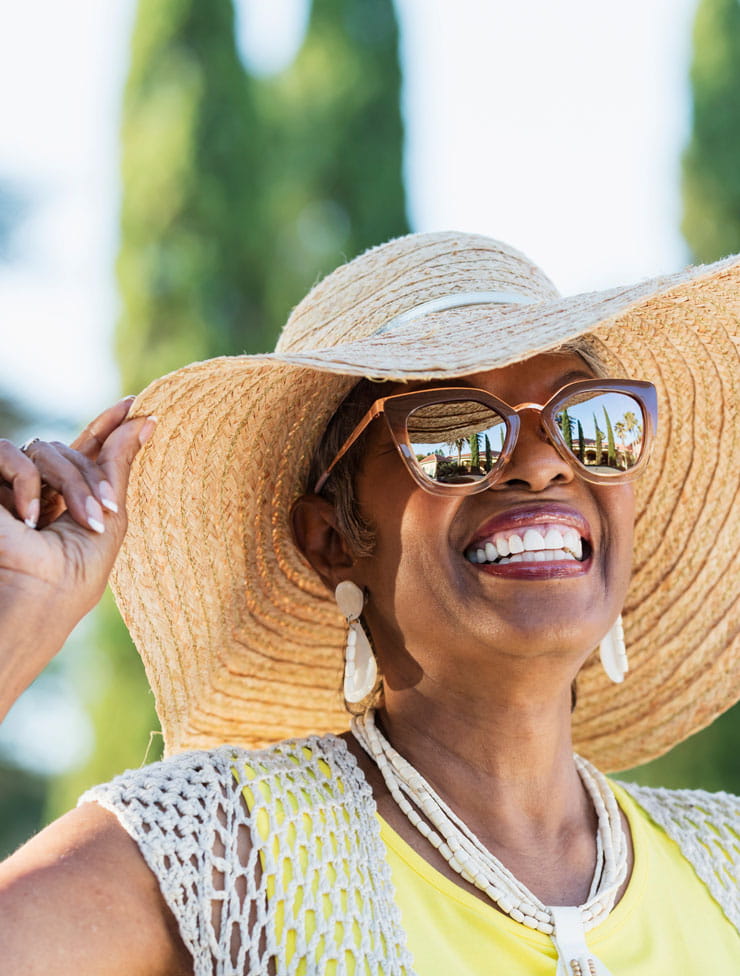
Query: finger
[59, 467]
[97, 431]
[119, 451]
[92, 474]
[24, 481]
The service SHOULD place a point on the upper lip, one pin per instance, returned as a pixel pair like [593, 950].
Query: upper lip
[522, 516]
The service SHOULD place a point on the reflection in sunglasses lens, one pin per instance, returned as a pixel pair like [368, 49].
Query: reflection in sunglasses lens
[603, 430]
[457, 442]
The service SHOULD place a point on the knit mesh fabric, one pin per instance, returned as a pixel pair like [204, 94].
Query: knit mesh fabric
[296, 880]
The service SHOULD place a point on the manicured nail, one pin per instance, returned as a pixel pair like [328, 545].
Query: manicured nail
[147, 430]
[105, 490]
[94, 515]
[34, 510]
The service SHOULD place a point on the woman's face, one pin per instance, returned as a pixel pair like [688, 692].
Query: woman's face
[433, 613]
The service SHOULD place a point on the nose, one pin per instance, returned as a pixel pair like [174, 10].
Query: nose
[534, 463]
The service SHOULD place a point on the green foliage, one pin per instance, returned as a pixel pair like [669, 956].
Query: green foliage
[191, 207]
[474, 442]
[611, 449]
[599, 433]
[566, 426]
[239, 193]
[121, 707]
[709, 760]
[489, 455]
[332, 142]
[711, 163]
[22, 798]
[581, 442]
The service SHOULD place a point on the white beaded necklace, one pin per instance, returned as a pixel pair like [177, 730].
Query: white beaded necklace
[469, 858]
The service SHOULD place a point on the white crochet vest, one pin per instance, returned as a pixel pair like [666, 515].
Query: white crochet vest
[315, 844]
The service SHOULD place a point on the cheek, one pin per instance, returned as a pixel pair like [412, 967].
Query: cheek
[618, 506]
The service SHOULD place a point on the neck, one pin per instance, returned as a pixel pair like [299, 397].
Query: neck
[507, 768]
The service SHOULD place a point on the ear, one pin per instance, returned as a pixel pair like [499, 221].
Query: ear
[317, 535]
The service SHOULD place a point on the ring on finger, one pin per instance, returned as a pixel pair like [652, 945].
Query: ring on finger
[27, 444]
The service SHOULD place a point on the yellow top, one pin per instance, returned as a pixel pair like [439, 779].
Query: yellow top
[667, 922]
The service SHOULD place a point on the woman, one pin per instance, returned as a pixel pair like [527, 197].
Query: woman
[459, 455]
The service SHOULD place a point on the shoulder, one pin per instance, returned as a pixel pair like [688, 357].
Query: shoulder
[705, 828]
[192, 786]
[695, 811]
[198, 819]
[80, 894]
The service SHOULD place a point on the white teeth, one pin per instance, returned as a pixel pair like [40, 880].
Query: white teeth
[534, 541]
[540, 544]
[554, 539]
[572, 541]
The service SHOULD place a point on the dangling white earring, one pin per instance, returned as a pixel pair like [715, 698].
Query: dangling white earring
[613, 653]
[360, 667]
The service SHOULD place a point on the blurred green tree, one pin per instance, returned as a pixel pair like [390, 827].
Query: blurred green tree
[711, 163]
[22, 793]
[238, 193]
[711, 226]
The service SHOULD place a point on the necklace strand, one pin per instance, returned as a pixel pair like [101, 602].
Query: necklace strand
[465, 853]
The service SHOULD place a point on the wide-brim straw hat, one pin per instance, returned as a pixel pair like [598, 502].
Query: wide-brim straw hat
[241, 641]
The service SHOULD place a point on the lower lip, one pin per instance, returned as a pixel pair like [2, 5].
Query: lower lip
[563, 569]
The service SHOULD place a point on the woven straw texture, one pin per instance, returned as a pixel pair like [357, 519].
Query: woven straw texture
[240, 640]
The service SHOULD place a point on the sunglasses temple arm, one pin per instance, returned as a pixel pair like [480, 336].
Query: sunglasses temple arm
[373, 412]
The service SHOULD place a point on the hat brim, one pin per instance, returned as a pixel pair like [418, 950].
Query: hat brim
[242, 643]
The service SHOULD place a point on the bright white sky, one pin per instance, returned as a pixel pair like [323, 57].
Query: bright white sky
[555, 126]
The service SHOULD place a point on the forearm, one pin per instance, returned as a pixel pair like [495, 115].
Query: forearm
[31, 633]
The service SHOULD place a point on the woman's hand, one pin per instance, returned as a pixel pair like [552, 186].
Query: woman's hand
[62, 521]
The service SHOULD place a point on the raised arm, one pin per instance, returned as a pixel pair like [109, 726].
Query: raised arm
[78, 899]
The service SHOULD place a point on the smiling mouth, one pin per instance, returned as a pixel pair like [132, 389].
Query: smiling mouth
[548, 542]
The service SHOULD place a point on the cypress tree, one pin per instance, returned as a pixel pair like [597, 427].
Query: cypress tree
[581, 442]
[191, 193]
[474, 442]
[599, 435]
[332, 139]
[611, 448]
[711, 163]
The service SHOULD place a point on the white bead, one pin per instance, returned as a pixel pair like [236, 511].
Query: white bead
[350, 599]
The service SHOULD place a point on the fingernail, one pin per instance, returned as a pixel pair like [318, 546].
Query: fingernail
[147, 430]
[94, 515]
[34, 510]
[105, 490]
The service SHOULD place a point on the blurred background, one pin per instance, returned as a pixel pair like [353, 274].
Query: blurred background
[175, 174]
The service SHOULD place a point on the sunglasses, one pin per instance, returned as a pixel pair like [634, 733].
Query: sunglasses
[458, 441]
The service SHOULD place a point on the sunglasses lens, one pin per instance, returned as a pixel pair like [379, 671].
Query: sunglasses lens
[605, 431]
[456, 442]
